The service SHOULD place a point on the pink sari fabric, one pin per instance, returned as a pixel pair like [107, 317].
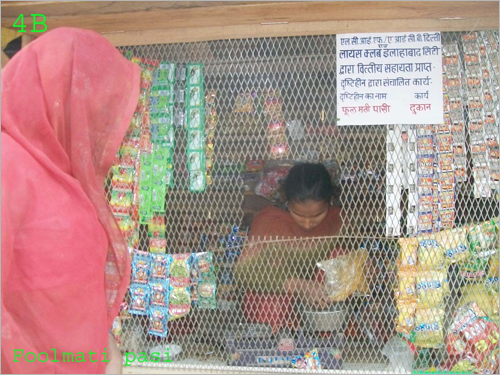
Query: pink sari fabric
[67, 101]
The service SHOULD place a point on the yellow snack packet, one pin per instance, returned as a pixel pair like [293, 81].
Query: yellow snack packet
[428, 332]
[406, 283]
[406, 315]
[408, 252]
[430, 255]
[431, 285]
[454, 244]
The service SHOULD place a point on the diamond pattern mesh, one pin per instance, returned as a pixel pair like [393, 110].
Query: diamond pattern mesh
[403, 281]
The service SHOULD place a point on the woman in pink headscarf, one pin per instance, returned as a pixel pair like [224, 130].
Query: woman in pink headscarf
[67, 101]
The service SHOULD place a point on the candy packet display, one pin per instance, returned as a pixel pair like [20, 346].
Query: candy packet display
[432, 286]
[428, 332]
[454, 244]
[180, 270]
[179, 303]
[141, 267]
[429, 254]
[472, 334]
[121, 201]
[139, 299]
[160, 269]
[160, 291]
[158, 321]
[309, 361]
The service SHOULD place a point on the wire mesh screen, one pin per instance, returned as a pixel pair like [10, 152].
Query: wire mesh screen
[366, 300]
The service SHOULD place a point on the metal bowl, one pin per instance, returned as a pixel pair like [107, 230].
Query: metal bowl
[330, 320]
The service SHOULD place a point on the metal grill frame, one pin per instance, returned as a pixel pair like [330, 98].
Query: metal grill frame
[303, 68]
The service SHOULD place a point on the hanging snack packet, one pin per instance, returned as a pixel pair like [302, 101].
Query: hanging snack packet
[158, 245]
[493, 271]
[139, 299]
[406, 315]
[454, 244]
[431, 287]
[428, 331]
[197, 181]
[160, 266]
[180, 270]
[206, 295]
[408, 252]
[482, 240]
[205, 266]
[406, 284]
[158, 321]
[430, 255]
[194, 74]
[160, 290]
[141, 267]
[179, 303]
[473, 268]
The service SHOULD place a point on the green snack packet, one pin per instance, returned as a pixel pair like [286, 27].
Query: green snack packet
[195, 118]
[196, 160]
[474, 268]
[194, 74]
[166, 72]
[206, 295]
[482, 240]
[158, 198]
[145, 187]
[197, 181]
[195, 96]
[169, 178]
[158, 174]
[196, 140]
[165, 97]
[154, 91]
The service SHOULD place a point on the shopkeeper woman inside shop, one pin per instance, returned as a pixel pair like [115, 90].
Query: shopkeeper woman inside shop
[274, 274]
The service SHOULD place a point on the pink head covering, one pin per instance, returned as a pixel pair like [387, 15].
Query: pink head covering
[68, 99]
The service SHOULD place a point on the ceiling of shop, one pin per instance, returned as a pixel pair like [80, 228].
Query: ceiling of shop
[232, 18]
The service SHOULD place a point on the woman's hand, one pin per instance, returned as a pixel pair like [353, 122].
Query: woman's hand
[310, 292]
[115, 363]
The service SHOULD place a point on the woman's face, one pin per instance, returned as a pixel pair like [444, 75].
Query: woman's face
[309, 214]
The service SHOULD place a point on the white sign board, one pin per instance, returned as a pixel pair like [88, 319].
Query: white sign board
[389, 78]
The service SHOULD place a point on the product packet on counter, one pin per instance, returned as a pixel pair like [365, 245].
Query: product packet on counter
[454, 244]
[141, 267]
[139, 299]
[472, 334]
[309, 361]
[158, 321]
[428, 332]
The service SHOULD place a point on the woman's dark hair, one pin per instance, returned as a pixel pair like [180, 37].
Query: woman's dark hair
[309, 181]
